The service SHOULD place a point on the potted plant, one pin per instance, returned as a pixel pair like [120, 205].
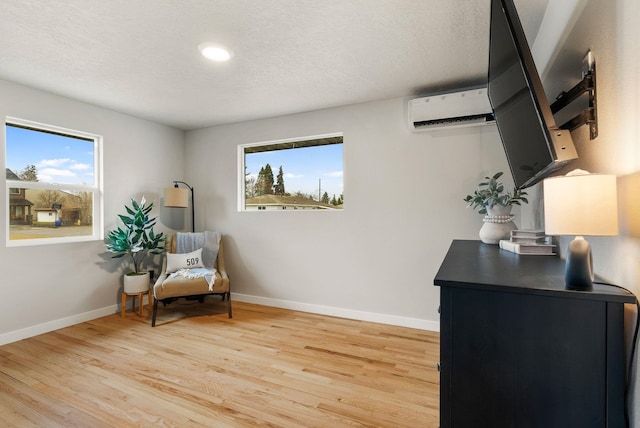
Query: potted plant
[490, 194]
[136, 238]
[491, 199]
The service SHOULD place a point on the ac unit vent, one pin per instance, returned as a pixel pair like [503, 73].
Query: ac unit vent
[451, 110]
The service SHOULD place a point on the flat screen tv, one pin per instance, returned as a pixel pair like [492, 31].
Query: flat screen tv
[534, 145]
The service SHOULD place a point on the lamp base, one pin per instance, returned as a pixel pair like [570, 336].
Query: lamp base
[578, 274]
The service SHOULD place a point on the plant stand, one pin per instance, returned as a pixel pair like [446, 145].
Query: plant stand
[133, 303]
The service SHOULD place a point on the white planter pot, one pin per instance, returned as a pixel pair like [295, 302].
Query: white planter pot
[136, 283]
[497, 225]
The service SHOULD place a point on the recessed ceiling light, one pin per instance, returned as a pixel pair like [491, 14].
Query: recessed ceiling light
[214, 52]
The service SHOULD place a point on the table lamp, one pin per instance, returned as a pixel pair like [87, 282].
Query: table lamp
[176, 197]
[580, 204]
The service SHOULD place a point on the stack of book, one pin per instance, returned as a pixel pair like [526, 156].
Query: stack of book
[528, 242]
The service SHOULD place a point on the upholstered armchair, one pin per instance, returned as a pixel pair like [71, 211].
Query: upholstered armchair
[193, 267]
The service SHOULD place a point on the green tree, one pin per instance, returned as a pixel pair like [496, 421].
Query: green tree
[259, 188]
[264, 185]
[279, 187]
[268, 173]
[29, 173]
[325, 198]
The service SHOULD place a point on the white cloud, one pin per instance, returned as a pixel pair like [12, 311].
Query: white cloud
[334, 174]
[55, 172]
[291, 175]
[80, 166]
[52, 162]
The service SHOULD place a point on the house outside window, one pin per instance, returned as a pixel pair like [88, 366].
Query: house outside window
[300, 174]
[53, 180]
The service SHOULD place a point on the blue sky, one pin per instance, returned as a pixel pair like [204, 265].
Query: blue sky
[58, 159]
[303, 168]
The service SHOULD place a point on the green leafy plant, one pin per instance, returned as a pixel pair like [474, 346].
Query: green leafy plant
[136, 237]
[491, 193]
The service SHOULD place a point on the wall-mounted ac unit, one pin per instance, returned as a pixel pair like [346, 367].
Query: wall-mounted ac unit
[453, 109]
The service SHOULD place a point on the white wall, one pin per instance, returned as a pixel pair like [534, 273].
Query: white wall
[375, 260]
[50, 286]
[611, 30]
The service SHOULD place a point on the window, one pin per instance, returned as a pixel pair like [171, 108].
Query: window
[54, 191]
[292, 175]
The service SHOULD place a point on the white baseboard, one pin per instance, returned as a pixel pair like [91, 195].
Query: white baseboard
[340, 312]
[14, 336]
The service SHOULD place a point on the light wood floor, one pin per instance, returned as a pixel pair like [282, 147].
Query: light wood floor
[264, 367]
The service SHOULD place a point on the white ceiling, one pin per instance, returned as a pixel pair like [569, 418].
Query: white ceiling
[140, 57]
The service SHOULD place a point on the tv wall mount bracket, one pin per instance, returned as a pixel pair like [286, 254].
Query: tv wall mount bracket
[589, 116]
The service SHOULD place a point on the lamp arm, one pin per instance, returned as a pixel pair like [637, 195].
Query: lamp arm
[175, 184]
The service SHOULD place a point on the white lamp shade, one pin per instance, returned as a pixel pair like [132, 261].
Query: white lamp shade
[581, 205]
[176, 197]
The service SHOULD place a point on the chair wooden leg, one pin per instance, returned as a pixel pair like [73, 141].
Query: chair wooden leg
[155, 310]
[124, 303]
[228, 294]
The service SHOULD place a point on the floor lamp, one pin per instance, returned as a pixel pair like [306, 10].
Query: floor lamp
[176, 197]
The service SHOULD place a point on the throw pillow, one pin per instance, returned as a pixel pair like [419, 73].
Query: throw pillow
[184, 261]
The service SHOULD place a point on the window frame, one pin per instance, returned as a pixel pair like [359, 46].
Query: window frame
[241, 168]
[96, 189]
